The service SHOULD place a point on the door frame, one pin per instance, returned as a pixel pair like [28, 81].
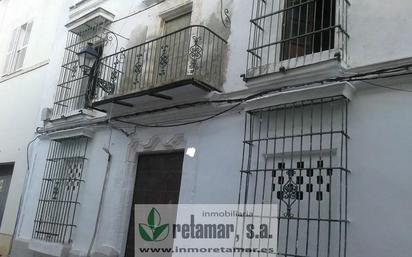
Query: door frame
[140, 146]
[174, 13]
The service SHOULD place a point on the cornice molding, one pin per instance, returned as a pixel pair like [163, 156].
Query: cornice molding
[154, 143]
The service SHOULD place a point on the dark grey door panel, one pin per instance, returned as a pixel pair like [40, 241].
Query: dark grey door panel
[157, 182]
[6, 171]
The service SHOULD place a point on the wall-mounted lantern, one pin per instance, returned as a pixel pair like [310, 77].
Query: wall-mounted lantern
[87, 58]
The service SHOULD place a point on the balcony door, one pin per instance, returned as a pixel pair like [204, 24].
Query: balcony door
[174, 47]
[177, 23]
[157, 182]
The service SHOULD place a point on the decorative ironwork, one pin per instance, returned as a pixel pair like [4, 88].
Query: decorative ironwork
[56, 190]
[304, 172]
[58, 201]
[73, 181]
[289, 193]
[195, 53]
[72, 93]
[119, 59]
[106, 86]
[108, 39]
[225, 15]
[138, 68]
[74, 69]
[163, 59]
[173, 56]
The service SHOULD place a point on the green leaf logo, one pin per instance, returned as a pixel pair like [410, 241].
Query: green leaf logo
[153, 231]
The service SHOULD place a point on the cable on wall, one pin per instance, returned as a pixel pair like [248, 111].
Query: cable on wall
[102, 194]
[364, 77]
[26, 177]
[386, 87]
[184, 123]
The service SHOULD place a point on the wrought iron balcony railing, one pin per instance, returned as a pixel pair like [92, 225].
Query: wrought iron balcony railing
[194, 54]
[287, 34]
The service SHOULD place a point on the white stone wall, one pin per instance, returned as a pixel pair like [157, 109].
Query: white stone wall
[378, 185]
[378, 31]
[378, 119]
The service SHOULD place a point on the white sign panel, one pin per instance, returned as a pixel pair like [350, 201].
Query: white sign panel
[212, 230]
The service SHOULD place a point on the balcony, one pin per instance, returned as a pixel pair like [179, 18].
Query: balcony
[289, 34]
[186, 64]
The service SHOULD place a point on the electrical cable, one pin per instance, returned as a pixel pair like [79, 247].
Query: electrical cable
[22, 193]
[352, 78]
[241, 100]
[181, 106]
[27, 151]
[102, 195]
[386, 87]
[184, 123]
[381, 77]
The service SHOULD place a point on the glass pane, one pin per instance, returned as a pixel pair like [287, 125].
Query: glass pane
[27, 33]
[19, 59]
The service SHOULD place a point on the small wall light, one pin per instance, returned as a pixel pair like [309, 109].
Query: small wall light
[191, 151]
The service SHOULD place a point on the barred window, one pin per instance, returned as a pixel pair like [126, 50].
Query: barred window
[303, 17]
[292, 33]
[73, 88]
[60, 187]
[295, 156]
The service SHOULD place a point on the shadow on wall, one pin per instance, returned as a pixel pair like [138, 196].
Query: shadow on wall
[220, 23]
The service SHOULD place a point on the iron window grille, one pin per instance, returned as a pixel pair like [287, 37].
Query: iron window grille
[291, 33]
[73, 85]
[55, 215]
[295, 156]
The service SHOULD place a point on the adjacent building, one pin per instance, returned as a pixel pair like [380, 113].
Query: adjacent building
[295, 102]
[28, 36]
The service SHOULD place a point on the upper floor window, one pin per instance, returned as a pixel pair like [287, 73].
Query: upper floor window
[177, 23]
[307, 27]
[17, 48]
[292, 33]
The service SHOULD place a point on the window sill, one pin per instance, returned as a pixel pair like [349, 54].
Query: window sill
[12, 73]
[74, 117]
[23, 71]
[311, 72]
[49, 248]
[345, 89]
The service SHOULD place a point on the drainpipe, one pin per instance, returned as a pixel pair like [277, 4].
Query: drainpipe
[109, 159]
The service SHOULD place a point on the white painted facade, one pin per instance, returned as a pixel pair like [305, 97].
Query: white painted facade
[28, 85]
[379, 124]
